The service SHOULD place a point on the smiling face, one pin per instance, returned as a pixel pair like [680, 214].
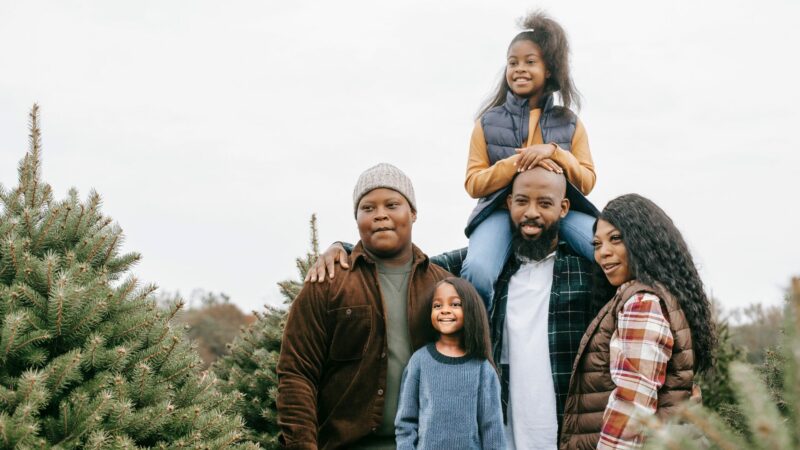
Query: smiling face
[526, 73]
[610, 253]
[537, 201]
[384, 219]
[447, 313]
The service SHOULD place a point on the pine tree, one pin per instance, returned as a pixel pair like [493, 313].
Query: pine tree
[87, 360]
[249, 369]
[769, 405]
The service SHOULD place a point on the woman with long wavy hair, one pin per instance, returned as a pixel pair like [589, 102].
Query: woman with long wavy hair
[642, 352]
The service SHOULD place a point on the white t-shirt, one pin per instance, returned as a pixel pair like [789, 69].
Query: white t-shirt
[533, 424]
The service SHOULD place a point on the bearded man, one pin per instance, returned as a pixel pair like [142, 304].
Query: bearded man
[542, 306]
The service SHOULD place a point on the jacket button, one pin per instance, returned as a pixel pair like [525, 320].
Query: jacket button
[380, 391]
[383, 355]
[349, 311]
[374, 429]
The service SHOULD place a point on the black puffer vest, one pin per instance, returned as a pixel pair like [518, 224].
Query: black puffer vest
[505, 129]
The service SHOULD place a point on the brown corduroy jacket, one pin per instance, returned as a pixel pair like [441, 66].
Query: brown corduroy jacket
[591, 384]
[332, 366]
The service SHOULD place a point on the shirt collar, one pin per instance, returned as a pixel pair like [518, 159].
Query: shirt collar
[360, 253]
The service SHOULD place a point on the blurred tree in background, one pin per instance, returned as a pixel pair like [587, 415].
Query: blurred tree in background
[250, 367]
[213, 325]
[766, 413]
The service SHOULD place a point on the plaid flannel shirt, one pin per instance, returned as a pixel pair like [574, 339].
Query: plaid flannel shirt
[640, 349]
[569, 313]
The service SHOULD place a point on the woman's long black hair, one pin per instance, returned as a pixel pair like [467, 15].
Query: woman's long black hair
[657, 253]
[476, 334]
[552, 40]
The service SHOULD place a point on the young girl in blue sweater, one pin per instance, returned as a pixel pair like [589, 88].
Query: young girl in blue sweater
[450, 393]
[519, 128]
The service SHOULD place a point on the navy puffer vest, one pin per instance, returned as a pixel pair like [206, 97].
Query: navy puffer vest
[505, 129]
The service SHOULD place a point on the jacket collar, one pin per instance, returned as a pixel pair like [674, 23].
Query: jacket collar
[359, 253]
[518, 105]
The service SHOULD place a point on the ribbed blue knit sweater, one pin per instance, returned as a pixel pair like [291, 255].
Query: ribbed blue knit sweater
[449, 403]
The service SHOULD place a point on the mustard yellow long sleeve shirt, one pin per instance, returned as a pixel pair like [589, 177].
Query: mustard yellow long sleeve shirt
[483, 178]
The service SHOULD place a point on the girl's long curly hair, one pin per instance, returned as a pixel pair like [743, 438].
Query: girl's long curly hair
[658, 254]
[552, 40]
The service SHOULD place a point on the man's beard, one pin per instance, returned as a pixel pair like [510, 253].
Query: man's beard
[527, 250]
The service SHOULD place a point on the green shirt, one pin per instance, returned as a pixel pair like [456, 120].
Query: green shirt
[393, 281]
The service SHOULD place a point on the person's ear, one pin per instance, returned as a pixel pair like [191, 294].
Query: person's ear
[564, 207]
[508, 202]
[413, 216]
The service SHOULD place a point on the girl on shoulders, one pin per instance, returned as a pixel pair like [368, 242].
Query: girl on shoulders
[518, 129]
[450, 393]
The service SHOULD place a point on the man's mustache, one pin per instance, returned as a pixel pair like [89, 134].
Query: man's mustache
[533, 222]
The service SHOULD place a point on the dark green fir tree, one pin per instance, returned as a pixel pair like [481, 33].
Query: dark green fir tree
[87, 360]
[249, 369]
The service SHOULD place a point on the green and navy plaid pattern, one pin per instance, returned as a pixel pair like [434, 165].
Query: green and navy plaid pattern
[569, 313]
[451, 261]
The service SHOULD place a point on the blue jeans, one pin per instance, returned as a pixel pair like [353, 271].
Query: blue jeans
[490, 244]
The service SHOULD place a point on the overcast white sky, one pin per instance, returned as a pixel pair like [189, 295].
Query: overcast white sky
[214, 129]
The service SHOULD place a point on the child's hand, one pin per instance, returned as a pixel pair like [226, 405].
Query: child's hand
[551, 165]
[530, 157]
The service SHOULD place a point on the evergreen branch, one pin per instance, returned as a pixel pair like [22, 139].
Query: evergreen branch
[26, 216]
[71, 364]
[96, 247]
[154, 354]
[26, 394]
[105, 397]
[145, 293]
[134, 328]
[12, 251]
[4, 431]
[121, 353]
[80, 217]
[67, 211]
[94, 202]
[50, 263]
[15, 323]
[144, 370]
[173, 311]
[191, 366]
[763, 417]
[711, 431]
[110, 249]
[126, 291]
[35, 338]
[95, 342]
[59, 310]
[28, 292]
[86, 317]
[45, 228]
[234, 437]
[35, 148]
[65, 415]
[175, 341]
[314, 236]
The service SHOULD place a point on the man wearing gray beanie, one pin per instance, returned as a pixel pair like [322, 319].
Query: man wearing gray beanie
[347, 339]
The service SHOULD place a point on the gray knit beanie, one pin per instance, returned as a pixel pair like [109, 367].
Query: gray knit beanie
[386, 176]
